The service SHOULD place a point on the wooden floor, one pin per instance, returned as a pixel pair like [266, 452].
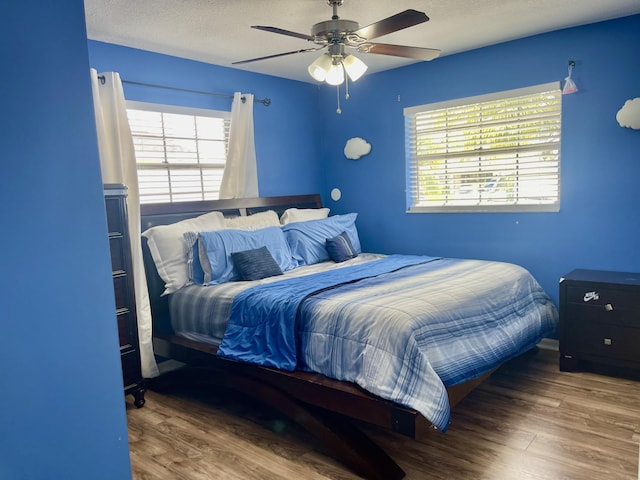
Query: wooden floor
[528, 421]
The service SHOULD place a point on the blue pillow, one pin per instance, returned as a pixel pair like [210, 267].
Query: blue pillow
[255, 264]
[215, 249]
[340, 248]
[307, 240]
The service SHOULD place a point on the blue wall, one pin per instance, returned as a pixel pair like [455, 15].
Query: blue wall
[62, 412]
[598, 225]
[287, 143]
[300, 141]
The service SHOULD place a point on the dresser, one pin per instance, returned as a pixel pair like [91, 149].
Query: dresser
[115, 196]
[600, 321]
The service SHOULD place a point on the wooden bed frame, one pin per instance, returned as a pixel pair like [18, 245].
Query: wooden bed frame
[327, 408]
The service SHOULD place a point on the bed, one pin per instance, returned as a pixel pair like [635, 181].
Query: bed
[325, 333]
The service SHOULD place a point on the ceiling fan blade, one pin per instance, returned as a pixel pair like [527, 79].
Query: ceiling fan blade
[396, 22]
[283, 32]
[277, 55]
[417, 53]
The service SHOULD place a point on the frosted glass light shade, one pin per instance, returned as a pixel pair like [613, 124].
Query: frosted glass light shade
[335, 75]
[354, 66]
[319, 68]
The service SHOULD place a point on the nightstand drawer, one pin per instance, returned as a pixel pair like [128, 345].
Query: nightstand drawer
[578, 315]
[594, 295]
[608, 341]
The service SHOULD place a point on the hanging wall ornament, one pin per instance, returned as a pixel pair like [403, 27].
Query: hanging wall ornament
[569, 84]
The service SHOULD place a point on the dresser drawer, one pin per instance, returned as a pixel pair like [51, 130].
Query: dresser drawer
[121, 290]
[115, 217]
[131, 372]
[118, 259]
[607, 341]
[125, 324]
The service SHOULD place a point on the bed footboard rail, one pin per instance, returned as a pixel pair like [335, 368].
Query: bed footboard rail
[313, 389]
[325, 408]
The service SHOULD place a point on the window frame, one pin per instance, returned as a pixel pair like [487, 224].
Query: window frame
[457, 201]
[190, 111]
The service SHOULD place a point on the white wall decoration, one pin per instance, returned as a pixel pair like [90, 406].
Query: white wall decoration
[356, 147]
[629, 115]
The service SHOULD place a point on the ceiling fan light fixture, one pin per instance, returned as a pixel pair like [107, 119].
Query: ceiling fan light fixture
[335, 75]
[354, 67]
[320, 67]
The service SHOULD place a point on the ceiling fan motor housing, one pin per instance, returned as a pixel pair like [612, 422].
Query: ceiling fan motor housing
[332, 31]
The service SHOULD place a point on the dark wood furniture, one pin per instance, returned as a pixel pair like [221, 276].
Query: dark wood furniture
[600, 321]
[325, 407]
[115, 196]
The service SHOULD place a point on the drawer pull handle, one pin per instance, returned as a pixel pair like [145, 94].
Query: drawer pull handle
[608, 307]
[607, 341]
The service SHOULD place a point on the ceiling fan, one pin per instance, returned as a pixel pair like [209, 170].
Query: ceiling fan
[338, 35]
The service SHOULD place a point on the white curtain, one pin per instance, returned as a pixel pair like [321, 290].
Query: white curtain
[118, 165]
[240, 178]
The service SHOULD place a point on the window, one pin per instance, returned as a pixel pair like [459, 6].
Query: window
[180, 152]
[497, 152]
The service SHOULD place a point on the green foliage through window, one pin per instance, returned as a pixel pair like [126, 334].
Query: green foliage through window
[497, 152]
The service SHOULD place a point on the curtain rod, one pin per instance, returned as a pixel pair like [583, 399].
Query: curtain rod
[265, 101]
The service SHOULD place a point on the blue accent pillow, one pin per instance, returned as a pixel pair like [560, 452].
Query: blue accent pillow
[307, 240]
[215, 249]
[340, 248]
[255, 264]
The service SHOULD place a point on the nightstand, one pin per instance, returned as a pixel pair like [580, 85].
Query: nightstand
[600, 320]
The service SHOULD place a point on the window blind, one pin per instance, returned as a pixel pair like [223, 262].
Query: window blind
[497, 152]
[180, 152]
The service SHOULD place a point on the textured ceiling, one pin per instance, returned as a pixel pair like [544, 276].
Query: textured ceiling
[218, 31]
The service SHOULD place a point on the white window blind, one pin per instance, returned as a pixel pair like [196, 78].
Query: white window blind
[180, 152]
[497, 152]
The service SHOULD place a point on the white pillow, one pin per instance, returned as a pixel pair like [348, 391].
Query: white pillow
[168, 248]
[256, 221]
[291, 215]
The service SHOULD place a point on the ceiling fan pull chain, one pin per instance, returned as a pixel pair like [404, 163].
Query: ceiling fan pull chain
[346, 81]
[338, 110]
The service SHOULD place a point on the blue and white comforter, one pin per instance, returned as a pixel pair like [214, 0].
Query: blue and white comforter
[403, 335]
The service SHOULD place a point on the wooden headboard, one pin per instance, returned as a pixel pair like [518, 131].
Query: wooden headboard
[155, 214]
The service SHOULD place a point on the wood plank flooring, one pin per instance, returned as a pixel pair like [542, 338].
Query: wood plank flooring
[528, 421]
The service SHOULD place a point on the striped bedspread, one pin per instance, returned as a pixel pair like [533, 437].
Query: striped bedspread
[403, 335]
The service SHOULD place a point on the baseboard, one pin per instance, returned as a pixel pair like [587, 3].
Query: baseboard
[549, 344]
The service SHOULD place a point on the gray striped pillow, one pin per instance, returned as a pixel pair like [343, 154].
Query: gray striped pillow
[255, 264]
[340, 248]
